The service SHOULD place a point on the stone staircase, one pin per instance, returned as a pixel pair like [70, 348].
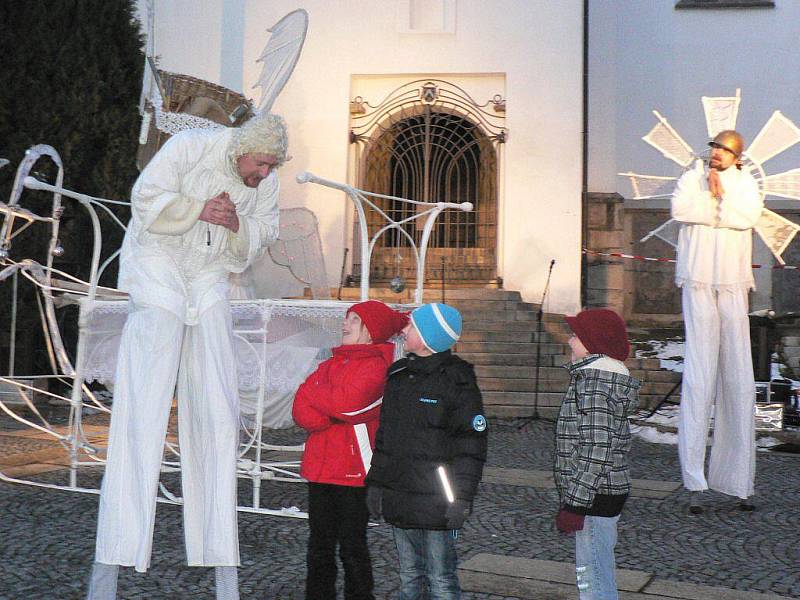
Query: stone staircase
[499, 338]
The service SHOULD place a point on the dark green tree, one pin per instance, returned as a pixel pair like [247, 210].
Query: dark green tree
[71, 78]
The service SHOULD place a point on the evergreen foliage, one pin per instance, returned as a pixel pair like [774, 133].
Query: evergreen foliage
[71, 78]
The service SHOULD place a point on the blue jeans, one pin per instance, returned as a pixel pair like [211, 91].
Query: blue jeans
[429, 557]
[594, 558]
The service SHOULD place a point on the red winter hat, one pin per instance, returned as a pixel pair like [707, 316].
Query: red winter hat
[381, 321]
[601, 331]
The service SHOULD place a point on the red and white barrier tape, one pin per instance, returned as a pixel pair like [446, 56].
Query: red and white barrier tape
[672, 260]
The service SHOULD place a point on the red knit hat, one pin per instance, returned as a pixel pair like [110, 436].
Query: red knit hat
[381, 321]
[601, 331]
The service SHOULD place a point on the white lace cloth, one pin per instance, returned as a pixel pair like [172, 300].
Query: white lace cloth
[278, 344]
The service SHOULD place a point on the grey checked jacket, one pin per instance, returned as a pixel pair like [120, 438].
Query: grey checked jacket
[592, 434]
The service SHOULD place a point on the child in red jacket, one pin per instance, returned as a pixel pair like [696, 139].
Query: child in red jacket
[339, 406]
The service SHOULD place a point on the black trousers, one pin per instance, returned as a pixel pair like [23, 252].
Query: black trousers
[337, 514]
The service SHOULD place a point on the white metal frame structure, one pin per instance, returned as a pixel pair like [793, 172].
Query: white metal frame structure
[360, 198]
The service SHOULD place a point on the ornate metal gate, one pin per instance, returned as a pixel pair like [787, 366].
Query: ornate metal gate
[429, 140]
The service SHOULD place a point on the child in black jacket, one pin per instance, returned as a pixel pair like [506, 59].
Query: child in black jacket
[429, 452]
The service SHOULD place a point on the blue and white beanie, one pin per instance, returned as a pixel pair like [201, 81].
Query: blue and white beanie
[439, 325]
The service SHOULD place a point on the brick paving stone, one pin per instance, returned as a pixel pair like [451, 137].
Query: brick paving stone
[47, 537]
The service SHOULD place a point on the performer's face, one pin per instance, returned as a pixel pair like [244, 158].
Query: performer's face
[354, 331]
[412, 341]
[721, 158]
[253, 167]
[577, 347]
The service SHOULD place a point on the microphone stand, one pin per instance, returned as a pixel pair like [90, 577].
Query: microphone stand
[539, 315]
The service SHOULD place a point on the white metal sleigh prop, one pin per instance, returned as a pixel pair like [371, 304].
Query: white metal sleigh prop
[278, 342]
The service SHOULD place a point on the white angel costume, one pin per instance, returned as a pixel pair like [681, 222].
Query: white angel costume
[179, 330]
[714, 268]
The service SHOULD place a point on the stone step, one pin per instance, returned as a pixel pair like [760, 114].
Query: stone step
[500, 411]
[528, 384]
[535, 579]
[670, 377]
[476, 316]
[658, 388]
[667, 378]
[452, 295]
[514, 384]
[498, 325]
[509, 334]
[549, 402]
[488, 306]
[513, 360]
[510, 348]
[526, 399]
[522, 372]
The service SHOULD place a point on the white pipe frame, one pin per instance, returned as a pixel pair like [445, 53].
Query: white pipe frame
[361, 197]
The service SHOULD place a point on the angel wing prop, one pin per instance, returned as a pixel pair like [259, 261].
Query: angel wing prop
[280, 55]
[778, 134]
[178, 102]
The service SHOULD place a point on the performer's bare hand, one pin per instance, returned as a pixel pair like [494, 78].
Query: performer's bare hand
[715, 184]
[220, 210]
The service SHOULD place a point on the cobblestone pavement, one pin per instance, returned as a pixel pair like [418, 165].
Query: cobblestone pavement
[47, 537]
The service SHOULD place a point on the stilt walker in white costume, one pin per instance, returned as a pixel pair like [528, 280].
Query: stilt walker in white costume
[718, 207]
[204, 207]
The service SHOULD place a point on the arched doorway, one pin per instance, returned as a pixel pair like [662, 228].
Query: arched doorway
[432, 143]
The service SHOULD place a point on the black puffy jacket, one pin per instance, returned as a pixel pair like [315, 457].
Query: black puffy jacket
[432, 415]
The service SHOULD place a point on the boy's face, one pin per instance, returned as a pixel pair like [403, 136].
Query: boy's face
[577, 347]
[412, 342]
[354, 331]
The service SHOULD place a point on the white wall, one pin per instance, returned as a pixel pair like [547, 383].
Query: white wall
[535, 44]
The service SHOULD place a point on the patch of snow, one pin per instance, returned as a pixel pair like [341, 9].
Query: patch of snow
[766, 442]
[653, 435]
[670, 352]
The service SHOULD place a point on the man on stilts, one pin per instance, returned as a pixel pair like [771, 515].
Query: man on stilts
[204, 207]
[718, 206]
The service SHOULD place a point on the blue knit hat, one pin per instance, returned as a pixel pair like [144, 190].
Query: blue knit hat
[439, 325]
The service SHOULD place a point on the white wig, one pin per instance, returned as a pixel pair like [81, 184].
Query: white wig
[263, 134]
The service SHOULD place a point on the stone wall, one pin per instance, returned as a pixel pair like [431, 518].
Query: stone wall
[605, 278]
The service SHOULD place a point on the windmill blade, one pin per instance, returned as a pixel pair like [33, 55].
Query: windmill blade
[776, 231]
[667, 141]
[280, 55]
[785, 185]
[721, 112]
[778, 134]
[667, 232]
[648, 187]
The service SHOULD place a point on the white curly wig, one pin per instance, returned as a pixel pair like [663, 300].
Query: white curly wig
[263, 134]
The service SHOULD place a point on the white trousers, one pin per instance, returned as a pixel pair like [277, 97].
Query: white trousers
[718, 372]
[156, 350]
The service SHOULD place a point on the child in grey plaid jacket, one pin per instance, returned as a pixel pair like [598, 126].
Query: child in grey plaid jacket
[592, 444]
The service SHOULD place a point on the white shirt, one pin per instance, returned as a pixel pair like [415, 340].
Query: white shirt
[715, 240]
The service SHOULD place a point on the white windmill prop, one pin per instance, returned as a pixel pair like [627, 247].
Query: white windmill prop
[778, 134]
